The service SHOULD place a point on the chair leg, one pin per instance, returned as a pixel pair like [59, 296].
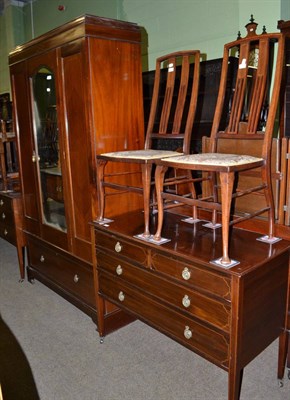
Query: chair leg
[193, 195]
[270, 238]
[159, 183]
[215, 197]
[270, 201]
[100, 189]
[146, 180]
[227, 184]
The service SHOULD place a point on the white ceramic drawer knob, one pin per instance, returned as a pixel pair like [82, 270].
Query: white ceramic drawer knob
[3, 216]
[187, 333]
[186, 274]
[1, 202]
[118, 247]
[5, 232]
[119, 270]
[42, 258]
[76, 278]
[121, 296]
[186, 301]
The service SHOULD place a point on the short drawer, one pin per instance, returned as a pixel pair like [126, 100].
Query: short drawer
[74, 276]
[7, 232]
[196, 276]
[121, 247]
[5, 205]
[207, 342]
[202, 307]
[7, 216]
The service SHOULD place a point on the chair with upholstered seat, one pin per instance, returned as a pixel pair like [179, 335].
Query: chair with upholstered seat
[254, 81]
[171, 118]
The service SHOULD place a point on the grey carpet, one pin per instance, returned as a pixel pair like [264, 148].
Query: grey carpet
[59, 356]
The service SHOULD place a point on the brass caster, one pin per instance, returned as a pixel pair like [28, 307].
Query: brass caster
[101, 340]
[32, 281]
[21, 280]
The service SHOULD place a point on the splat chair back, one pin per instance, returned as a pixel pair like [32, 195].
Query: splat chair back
[250, 126]
[174, 101]
[171, 118]
[9, 174]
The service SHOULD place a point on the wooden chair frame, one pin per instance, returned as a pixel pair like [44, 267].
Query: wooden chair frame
[223, 169]
[180, 130]
[9, 176]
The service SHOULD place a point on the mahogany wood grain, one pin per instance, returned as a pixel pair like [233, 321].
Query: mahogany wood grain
[226, 315]
[96, 63]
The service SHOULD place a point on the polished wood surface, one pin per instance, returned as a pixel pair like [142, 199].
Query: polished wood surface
[96, 67]
[226, 315]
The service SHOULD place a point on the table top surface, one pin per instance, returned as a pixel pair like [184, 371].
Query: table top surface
[196, 243]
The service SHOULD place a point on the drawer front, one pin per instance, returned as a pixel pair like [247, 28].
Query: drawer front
[209, 343]
[194, 275]
[197, 304]
[120, 247]
[7, 232]
[72, 275]
[5, 205]
[7, 216]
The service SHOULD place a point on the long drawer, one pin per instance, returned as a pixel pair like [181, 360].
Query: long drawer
[205, 308]
[73, 275]
[211, 344]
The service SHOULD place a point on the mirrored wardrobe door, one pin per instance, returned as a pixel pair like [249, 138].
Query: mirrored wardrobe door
[47, 154]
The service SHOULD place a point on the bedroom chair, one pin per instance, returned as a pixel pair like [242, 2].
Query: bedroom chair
[168, 132]
[9, 173]
[255, 79]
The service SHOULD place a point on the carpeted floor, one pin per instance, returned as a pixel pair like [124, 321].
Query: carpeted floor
[49, 350]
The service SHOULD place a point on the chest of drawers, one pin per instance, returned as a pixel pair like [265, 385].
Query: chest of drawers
[226, 316]
[11, 224]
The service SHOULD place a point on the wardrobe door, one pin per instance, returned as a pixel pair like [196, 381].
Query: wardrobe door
[25, 144]
[48, 161]
[76, 104]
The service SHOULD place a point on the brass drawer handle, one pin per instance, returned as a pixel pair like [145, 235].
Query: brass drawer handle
[186, 274]
[3, 216]
[119, 270]
[76, 278]
[186, 301]
[5, 232]
[118, 247]
[1, 202]
[42, 258]
[121, 296]
[187, 333]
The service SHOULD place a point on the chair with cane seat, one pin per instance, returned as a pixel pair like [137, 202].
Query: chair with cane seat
[170, 122]
[254, 81]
